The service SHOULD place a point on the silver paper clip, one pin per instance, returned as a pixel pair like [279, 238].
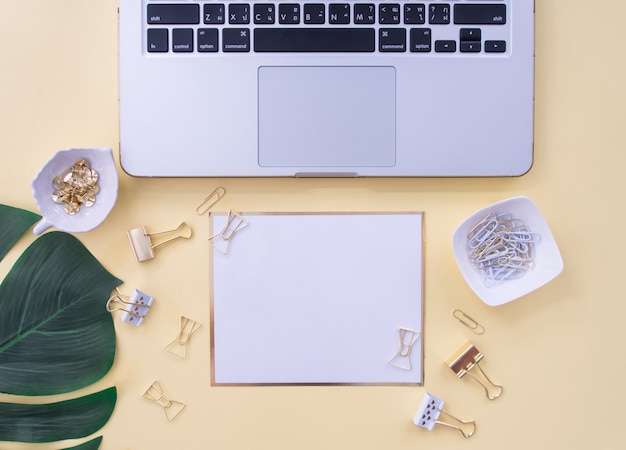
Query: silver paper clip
[464, 360]
[428, 413]
[142, 245]
[134, 307]
[234, 223]
[178, 347]
[171, 407]
[402, 358]
[211, 200]
[468, 321]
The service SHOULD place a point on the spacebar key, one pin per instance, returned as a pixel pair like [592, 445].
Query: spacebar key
[314, 40]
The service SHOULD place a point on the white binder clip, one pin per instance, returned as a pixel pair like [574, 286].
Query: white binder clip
[133, 308]
[428, 413]
[402, 358]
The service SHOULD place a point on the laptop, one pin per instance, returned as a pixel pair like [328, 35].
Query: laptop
[322, 89]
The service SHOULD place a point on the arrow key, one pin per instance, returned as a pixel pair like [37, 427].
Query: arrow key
[495, 46]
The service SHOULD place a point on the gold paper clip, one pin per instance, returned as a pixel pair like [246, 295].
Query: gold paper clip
[407, 337]
[234, 223]
[464, 360]
[178, 347]
[134, 307]
[211, 200]
[429, 411]
[468, 321]
[171, 407]
[142, 245]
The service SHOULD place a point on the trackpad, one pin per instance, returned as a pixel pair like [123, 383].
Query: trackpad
[327, 116]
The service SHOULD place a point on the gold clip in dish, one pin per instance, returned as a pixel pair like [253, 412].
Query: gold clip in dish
[142, 245]
[171, 407]
[402, 358]
[234, 223]
[211, 200]
[134, 308]
[464, 360]
[428, 413]
[178, 347]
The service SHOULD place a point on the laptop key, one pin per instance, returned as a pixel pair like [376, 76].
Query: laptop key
[314, 40]
[208, 40]
[314, 13]
[236, 39]
[214, 13]
[182, 40]
[392, 40]
[174, 14]
[495, 46]
[444, 46]
[480, 14]
[420, 40]
[157, 40]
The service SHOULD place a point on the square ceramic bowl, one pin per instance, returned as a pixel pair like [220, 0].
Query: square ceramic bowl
[547, 263]
[101, 160]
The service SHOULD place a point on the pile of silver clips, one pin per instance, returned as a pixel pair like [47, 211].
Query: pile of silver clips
[502, 248]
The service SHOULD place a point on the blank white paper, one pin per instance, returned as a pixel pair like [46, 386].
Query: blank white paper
[316, 298]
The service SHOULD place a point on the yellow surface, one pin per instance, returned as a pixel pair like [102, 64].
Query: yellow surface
[559, 352]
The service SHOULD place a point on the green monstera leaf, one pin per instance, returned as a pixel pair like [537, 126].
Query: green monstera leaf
[55, 335]
[51, 422]
[13, 223]
[94, 444]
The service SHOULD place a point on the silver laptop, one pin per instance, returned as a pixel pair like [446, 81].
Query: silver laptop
[318, 88]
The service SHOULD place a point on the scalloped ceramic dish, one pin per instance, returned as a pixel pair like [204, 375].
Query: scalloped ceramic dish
[548, 263]
[88, 218]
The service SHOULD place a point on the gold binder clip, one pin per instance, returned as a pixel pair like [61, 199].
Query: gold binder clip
[142, 245]
[468, 321]
[464, 360]
[171, 407]
[429, 411]
[408, 337]
[133, 307]
[178, 347]
[211, 200]
[234, 223]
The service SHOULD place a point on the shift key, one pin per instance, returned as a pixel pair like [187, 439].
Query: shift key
[480, 14]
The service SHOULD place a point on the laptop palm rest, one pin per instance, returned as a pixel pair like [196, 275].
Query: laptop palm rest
[327, 117]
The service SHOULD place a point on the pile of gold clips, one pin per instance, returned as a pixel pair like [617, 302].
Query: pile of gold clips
[76, 187]
[502, 248]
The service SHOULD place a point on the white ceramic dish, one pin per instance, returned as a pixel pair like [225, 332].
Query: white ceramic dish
[88, 218]
[548, 263]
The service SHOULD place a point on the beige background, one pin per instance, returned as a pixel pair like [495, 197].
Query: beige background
[559, 352]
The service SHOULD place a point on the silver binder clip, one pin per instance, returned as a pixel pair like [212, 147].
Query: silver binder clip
[428, 413]
[178, 347]
[171, 407]
[234, 223]
[211, 200]
[464, 360]
[142, 245]
[134, 308]
[402, 358]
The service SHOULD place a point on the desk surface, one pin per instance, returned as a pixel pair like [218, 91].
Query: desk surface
[558, 351]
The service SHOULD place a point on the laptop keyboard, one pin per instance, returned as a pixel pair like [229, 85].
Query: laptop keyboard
[464, 28]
